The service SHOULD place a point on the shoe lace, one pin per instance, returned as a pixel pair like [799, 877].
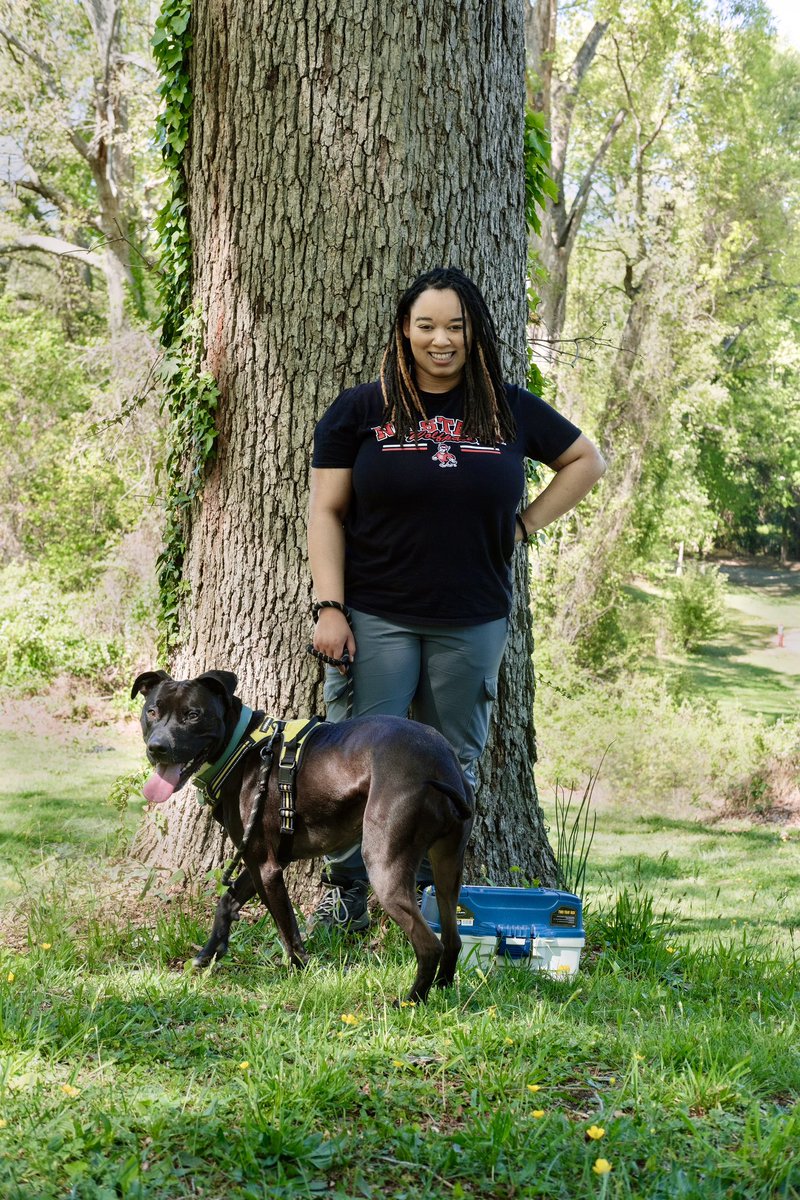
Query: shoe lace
[332, 905]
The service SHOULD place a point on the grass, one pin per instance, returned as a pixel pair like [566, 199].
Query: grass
[124, 1076]
[744, 666]
[716, 879]
[54, 798]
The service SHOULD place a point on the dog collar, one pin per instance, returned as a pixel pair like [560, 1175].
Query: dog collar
[209, 777]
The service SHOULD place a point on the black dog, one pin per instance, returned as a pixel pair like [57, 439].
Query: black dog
[390, 782]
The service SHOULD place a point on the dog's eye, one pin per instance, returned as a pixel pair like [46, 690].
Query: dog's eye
[192, 714]
[152, 713]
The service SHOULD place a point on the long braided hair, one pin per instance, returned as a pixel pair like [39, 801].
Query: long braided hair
[487, 416]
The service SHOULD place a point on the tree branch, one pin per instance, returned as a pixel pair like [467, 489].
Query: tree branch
[572, 225]
[61, 201]
[565, 95]
[53, 245]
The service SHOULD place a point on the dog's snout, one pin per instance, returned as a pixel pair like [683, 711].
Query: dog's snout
[159, 746]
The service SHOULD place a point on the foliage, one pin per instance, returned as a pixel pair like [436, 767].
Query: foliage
[574, 833]
[191, 397]
[538, 184]
[191, 393]
[47, 631]
[652, 742]
[65, 498]
[76, 115]
[80, 442]
[682, 296]
[171, 43]
[696, 605]
[632, 930]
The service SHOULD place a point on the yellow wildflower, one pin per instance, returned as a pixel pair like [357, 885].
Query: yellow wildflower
[349, 1019]
[405, 1004]
[595, 1132]
[538, 1112]
[612, 1079]
[10, 977]
[3, 1122]
[508, 1041]
[670, 949]
[398, 1062]
[491, 1010]
[46, 945]
[244, 1066]
[534, 1087]
[639, 1057]
[602, 1166]
[564, 967]
[70, 1091]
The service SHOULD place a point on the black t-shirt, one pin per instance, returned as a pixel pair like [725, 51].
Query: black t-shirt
[429, 533]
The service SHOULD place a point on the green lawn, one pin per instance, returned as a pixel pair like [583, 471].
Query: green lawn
[123, 1076]
[744, 666]
[718, 880]
[54, 793]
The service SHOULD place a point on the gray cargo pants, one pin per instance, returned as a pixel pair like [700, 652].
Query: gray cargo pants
[443, 676]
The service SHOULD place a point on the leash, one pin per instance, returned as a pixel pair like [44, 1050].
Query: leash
[345, 660]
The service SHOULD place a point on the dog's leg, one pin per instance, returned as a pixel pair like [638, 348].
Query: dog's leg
[237, 895]
[272, 889]
[447, 860]
[393, 878]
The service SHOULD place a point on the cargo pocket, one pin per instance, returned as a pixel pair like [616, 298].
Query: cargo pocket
[334, 693]
[490, 688]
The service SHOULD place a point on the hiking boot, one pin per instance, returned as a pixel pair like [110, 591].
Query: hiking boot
[344, 906]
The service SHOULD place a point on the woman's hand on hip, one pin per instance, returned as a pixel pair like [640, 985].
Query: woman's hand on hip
[333, 635]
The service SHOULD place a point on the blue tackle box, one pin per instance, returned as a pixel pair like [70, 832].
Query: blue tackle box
[540, 928]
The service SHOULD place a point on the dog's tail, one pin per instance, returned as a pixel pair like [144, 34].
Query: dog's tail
[461, 799]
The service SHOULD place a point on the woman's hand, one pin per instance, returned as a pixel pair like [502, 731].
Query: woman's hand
[333, 635]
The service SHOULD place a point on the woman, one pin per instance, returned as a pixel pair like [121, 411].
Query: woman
[413, 519]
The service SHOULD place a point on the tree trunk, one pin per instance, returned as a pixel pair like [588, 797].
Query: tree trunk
[335, 155]
[556, 98]
[633, 417]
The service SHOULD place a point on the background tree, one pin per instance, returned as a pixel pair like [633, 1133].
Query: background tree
[554, 91]
[681, 254]
[73, 113]
[359, 147]
[77, 186]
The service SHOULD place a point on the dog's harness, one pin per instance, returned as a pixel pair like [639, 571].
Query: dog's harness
[288, 739]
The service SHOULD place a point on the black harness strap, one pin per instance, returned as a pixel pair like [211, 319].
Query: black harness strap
[287, 786]
[257, 811]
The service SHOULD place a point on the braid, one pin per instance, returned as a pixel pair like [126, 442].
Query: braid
[487, 416]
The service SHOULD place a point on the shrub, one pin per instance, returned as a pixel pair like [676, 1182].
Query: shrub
[696, 605]
[658, 747]
[45, 632]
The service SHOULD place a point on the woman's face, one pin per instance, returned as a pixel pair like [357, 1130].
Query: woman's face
[435, 328]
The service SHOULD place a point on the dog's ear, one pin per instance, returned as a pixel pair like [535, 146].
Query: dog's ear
[147, 681]
[222, 682]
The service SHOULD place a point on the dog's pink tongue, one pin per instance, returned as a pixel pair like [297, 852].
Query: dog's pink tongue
[162, 783]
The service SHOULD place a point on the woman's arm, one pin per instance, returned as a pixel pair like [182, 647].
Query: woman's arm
[577, 470]
[331, 490]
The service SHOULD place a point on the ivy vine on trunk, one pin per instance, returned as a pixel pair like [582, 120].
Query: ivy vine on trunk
[191, 394]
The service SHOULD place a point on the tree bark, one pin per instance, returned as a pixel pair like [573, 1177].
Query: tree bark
[334, 155]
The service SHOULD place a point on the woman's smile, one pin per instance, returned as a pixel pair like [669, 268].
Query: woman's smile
[435, 330]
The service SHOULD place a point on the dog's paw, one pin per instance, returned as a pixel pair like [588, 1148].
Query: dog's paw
[201, 962]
